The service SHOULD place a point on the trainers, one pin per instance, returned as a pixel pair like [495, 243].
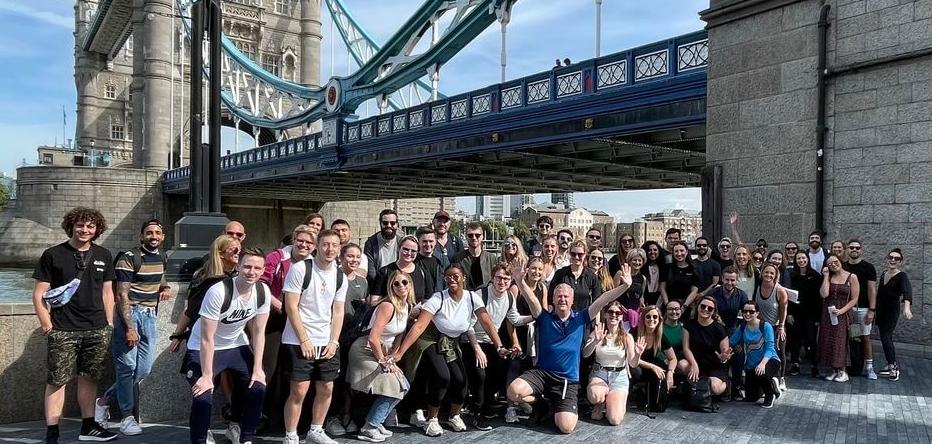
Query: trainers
[457, 424]
[233, 432]
[794, 369]
[842, 377]
[351, 427]
[432, 428]
[885, 371]
[129, 426]
[737, 394]
[769, 401]
[97, 433]
[385, 432]
[782, 384]
[895, 374]
[392, 419]
[815, 373]
[871, 375]
[832, 376]
[319, 437]
[511, 415]
[291, 439]
[775, 388]
[480, 423]
[418, 419]
[101, 413]
[370, 434]
[333, 427]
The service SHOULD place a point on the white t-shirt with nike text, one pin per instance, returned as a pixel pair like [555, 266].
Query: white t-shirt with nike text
[231, 325]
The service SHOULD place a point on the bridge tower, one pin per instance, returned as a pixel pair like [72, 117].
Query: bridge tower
[151, 87]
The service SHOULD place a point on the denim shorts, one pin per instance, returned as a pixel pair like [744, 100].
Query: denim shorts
[616, 379]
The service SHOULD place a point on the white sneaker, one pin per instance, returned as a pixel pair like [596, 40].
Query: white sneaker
[457, 424]
[418, 419]
[433, 428]
[101, 413]
[871, 374]
[782, 384]
[334, 427]
[832, 376]
[842, 377]
[386, 432]
[319, 437]
[371, 434]
[291, 438]
[129, 426]
[233, 432]
[511, 415]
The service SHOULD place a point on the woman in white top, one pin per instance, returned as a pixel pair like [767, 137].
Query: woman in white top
[549, 254]
[441, 320]
[372, 369]
[615, 352]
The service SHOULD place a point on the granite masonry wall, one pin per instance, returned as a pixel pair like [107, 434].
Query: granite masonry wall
[762, 110]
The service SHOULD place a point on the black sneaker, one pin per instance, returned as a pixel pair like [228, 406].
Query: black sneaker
[794, 369]
[775, 389]
[481, 423]
[737, 394]
[97, 433]
[768, 401]
[894, 374]
[49, 439]
[815, 373]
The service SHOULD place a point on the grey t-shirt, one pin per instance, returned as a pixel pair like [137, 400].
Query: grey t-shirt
[388, 251]
[357, 289]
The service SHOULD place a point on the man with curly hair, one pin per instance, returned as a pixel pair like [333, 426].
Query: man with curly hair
[79, 328]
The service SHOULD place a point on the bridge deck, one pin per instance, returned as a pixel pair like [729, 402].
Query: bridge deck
[812, 411]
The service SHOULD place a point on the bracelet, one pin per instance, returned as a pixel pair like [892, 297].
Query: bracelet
[871, 309]
[306, 340]
[336, 343]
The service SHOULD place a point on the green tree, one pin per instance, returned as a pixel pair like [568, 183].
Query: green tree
[5, 195]
[520, 229]
[456, 228]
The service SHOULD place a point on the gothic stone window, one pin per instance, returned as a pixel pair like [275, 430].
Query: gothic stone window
[117, 130]
[110, 91]
[247, 48]
[272, 64]
[283, 7]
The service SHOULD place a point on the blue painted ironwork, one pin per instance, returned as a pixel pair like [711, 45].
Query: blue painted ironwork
[606, 75]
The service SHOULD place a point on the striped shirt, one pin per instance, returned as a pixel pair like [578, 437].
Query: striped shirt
[144, 284]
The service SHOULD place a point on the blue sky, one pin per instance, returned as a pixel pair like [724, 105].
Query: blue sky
[37, 52]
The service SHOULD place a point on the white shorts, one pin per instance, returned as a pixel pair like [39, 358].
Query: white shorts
[858, 325]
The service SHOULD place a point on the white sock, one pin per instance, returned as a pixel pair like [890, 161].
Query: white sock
[291, 434]
[317, 427]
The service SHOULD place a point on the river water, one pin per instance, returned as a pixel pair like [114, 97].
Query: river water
[15, 285]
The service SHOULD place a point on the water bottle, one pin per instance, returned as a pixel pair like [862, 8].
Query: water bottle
[831, 315]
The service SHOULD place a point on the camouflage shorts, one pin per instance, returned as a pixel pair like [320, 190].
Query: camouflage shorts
[84, 352]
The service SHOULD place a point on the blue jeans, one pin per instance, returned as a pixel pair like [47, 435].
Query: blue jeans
[381, 407]
[132, 364]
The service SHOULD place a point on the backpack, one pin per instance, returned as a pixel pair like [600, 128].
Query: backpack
[360, 323]
[135, 256]
[657, 396]
[196, 297]
[485, 298]
[309, 273]
[700, 396]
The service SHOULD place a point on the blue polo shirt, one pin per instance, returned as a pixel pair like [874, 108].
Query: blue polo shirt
[561, 343]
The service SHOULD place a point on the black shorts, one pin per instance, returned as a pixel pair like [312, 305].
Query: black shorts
[717, 372]
[300, 369]
[559, 392]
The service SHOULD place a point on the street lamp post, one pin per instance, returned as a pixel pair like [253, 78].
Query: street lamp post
[598, 28]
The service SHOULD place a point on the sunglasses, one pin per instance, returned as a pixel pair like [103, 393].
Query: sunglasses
[544, 226]
[452, 277]
[758, 259]
[577, 254]
[509, 244]
[708, 308]
[651, 318]
[401, 283]
[502, 278]
[702, 245]
[233, 251]
[627, 241]
[236, 234]
[594, 237]
[674, 309]
[895, 258]
[854, 248]
[565, 239]
[81, 261]
[613, 312]
[748, 312]
[597, 258]
[409, 250]
[474, 235]
[389, 223]
[791, 248]
[724, 247]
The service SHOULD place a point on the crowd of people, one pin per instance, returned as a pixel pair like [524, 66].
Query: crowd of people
[440, 333]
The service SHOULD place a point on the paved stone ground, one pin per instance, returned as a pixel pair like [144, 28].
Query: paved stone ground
[859, 411]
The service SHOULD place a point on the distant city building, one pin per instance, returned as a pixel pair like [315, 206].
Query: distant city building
[641, 230]
[518, 202]
[577, 220]
[689, 222]
[414, 213]
[566, 199]
[492, 207]
[60, 156]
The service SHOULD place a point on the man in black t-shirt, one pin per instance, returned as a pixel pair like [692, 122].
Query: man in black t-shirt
[710, 271]
[78, 329]
[863, 315]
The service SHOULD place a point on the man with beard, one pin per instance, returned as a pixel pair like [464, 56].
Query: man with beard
[342, 228]
[710, 271]
[593, 239]
[544, 228]
[817, 253]
[381, 248]
[427, 244]
[140, 286]
[564, 239]
[671, 238]
[863, 314]
[448, 245]
[477, 262]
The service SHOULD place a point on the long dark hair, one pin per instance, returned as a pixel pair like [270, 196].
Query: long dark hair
[687, 259]
[796, 271]
[646, 246]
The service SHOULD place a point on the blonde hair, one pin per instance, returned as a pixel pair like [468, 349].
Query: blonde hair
[658, 331]
[401, 306]
[519, 255]
[602, 273]
[306, 229]
[213, 266]
[619, 334]
[749, 271]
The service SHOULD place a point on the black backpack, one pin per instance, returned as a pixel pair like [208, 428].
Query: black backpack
[359, 325]
[135, 256]
[309, 273]
[196, 296]
[700, 396]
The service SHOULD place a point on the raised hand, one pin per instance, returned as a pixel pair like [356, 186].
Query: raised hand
[625, 274]
[733, 218]
[517, 270]
[640, 346]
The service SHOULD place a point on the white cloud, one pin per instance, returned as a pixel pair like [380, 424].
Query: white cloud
[48, 17]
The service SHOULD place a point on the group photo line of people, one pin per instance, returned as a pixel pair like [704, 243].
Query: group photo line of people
[330, 338]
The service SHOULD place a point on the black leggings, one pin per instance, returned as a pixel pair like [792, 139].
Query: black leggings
[444, 379]
[801, 335]
[754, 385]
[886, 319]
[484, 382]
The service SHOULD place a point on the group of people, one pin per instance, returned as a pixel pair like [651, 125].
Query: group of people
[412, 328]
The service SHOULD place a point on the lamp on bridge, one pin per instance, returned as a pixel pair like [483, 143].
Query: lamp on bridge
[203, 221]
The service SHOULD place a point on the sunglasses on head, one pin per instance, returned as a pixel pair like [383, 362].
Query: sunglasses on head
[401, 283]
